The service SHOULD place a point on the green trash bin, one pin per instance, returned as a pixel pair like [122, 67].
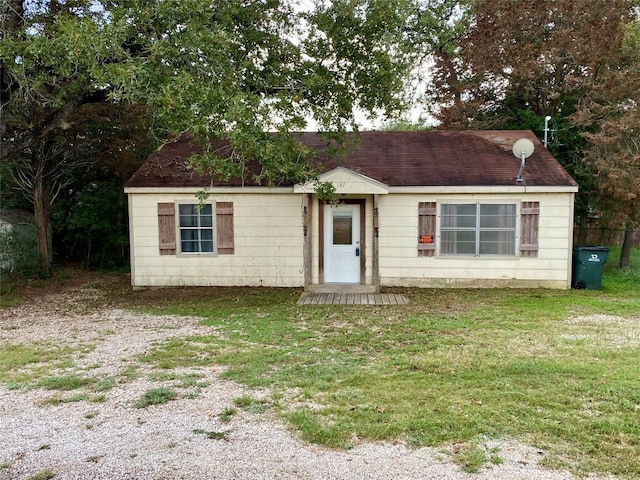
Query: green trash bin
[588, 263]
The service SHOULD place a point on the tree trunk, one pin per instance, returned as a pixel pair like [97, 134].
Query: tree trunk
[627, 243]
[42, 212]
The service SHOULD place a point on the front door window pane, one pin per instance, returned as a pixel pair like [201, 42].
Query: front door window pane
[342, 230]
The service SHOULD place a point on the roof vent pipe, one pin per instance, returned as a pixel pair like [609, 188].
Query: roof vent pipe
[522, 149]
[546, 130]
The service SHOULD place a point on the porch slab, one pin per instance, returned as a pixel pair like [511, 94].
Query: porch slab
[310, 298]
[341, 288]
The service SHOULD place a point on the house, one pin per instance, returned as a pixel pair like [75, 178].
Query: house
[417, 209]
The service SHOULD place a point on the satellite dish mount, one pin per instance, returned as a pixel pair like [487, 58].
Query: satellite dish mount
[523, 149]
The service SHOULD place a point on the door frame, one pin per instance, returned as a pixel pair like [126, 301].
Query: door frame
[363, 257]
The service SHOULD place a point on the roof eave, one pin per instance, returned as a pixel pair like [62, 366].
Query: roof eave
[492, 189]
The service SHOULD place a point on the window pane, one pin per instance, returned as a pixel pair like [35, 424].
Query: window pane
[206, 221]
[188, 221]
[189, 247]
[189, 235]
[459, 216]
[207, 246]
[187, 209]
[458, 242]
[206, 217]
[188, 216]
[342, 230]
[497, 216]
[497, 243]
[497, 229]
[459, 209]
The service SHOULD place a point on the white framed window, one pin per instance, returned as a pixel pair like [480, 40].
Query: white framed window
[478, 229]
[199, 228]
[195, 224]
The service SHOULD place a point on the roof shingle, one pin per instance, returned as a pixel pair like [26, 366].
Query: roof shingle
[420, 158]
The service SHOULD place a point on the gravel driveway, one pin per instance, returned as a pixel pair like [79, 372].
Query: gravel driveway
[43, 436]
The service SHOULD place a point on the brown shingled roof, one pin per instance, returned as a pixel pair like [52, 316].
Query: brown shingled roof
[424, 158]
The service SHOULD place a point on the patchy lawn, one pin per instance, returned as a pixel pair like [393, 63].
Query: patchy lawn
[455, 369]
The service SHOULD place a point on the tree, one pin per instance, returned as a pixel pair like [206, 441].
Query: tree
[611, 115]
[210, 68]
[51, 54]
[239, 71]
[89, 221]
[528, 55]
[517, 62]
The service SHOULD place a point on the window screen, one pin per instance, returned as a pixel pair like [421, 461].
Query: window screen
[478, 229]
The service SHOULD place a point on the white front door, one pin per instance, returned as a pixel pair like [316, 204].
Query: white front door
[342, 244]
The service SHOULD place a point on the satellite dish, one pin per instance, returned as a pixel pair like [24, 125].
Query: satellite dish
[523, 149]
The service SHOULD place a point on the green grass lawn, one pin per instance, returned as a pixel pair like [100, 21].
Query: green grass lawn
[556, 369]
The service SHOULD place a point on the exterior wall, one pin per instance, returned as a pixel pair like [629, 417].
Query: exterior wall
[401, 266]
[268, 241]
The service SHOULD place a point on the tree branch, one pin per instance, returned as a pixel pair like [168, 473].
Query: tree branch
[58, 119]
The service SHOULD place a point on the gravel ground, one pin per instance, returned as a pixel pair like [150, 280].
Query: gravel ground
[115, 440]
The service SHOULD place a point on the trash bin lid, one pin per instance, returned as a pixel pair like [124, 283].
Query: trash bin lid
[594, 248]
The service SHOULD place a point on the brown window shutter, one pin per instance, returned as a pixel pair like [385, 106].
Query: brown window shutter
[224, 227]
[426, 229]
[167, 228]
[529, 218]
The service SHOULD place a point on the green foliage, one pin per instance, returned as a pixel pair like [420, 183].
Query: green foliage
[156, 396]
[105, 384]
[18, 247]
[213, 435]
[21, 363]
[326, 192]
[81, 397]
[470, 456]
[508, 65]
[45, 474]
[65, 382]
[565, 142]
[227, 414]
[92, 225]
[252, 404]
[405, 125]
[237, 72]
[620, 280]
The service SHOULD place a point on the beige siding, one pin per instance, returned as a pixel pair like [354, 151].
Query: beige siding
[267, 244]
[401, 265]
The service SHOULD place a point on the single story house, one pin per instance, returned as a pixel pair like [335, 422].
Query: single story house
[417, 209]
